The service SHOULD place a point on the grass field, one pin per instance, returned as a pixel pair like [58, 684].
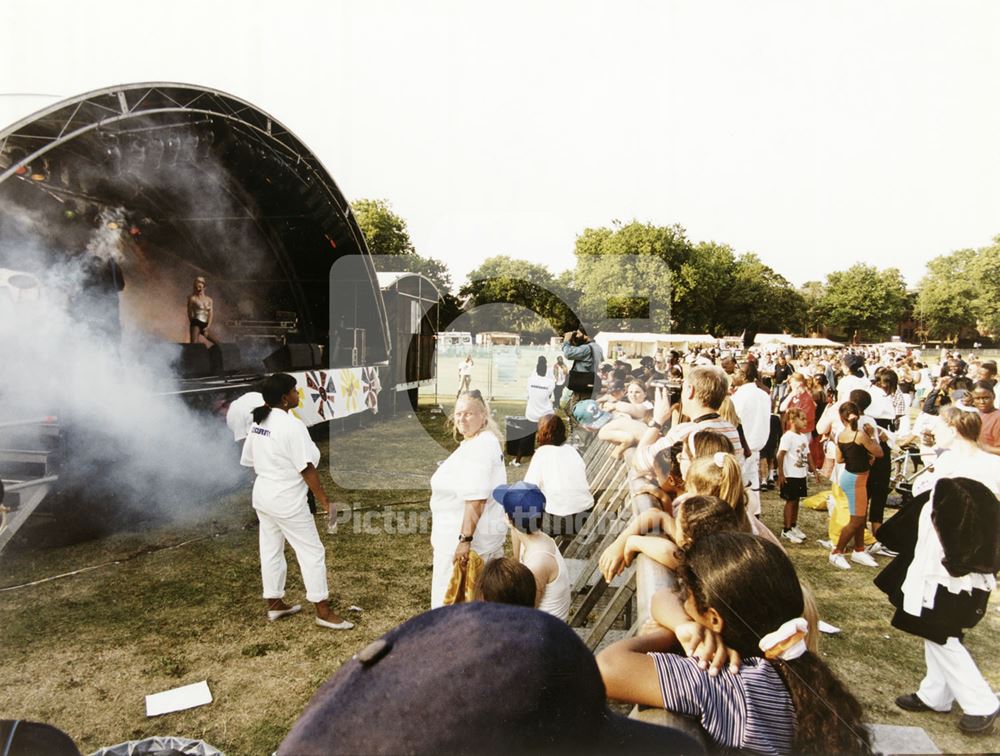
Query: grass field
[179, 603]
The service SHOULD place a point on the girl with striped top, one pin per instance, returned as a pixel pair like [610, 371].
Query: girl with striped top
[748, 676]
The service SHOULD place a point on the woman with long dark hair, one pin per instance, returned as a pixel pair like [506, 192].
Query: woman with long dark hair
[284, 457]
[750, 678]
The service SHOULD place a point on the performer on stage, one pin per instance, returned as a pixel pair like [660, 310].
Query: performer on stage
[199, 309]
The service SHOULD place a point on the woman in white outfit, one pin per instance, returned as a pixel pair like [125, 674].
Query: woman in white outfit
[558, 469]
[524, 505]
[933, 577]
[284, 457]
[464, 517]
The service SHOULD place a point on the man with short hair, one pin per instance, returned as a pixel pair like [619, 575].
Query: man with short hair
[702, 393]
[984, 400]
[753, 406]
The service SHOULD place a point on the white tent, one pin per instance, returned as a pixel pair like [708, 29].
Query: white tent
[643, 344]
[784, 339]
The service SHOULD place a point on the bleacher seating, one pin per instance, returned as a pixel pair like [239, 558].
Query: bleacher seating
[601, 616]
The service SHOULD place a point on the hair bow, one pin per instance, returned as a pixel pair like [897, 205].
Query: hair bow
[787, 642]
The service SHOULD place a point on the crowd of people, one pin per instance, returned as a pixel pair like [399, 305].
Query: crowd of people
[709, 431]
[734, 644]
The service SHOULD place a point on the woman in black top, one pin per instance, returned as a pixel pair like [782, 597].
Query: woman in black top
[855, 450]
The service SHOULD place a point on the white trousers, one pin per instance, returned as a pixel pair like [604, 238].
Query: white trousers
[443, 566]
[300, 531]
[751, 478]
[952, 675]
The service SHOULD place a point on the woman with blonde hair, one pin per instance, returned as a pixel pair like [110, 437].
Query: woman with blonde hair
[464, 515]
[630, 417]
[721, 475]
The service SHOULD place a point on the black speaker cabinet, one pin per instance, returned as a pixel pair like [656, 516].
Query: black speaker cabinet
[193, 361]
[293, 357]
[225, 358]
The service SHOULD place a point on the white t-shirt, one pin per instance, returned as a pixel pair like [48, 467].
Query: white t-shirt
[239, 416]
[847, 383]
[796, 449]
[278, 450]
[753, 407]
[540, 389]
[470, 473]
[464, 369]
[881, 406]
[560, 473]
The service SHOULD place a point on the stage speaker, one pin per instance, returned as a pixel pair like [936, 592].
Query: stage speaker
[225, 358]
[292, 357]
[193, 361]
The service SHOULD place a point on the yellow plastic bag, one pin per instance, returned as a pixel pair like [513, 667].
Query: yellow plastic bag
[817, 501]
[841, 515]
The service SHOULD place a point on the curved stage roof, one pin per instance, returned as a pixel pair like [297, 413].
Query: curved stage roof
[180, 180]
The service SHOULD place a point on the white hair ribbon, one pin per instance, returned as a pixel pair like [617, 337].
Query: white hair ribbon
[720, 459]
[787, 642]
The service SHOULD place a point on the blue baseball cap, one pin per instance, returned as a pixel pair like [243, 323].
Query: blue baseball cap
[523, 502]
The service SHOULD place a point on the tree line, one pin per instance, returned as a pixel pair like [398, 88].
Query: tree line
[634, 270]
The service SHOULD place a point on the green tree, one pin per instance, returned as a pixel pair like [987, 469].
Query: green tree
[628, 269]
[532, 287]
[946, 296]
[985, 272]
[389, 242]
[864, 301]
[812, 298]
[703, 290]
[760, 300]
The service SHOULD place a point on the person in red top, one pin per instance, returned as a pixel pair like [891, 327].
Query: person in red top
[983, 399]
[799, 397]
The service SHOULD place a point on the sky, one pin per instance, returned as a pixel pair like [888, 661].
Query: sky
[814, 134]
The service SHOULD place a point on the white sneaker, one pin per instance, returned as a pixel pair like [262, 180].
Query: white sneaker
[789, 535]
[837, 560]
[877, 549]
[799, 533]
[825, 543]
[861, 557]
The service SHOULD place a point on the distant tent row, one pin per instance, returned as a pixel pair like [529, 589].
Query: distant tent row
[643, 344]
[783, 339]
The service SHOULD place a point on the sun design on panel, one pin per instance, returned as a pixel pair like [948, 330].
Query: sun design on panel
[349, 388]
[322, 391]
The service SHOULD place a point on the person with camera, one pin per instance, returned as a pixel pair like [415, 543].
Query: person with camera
[586, 356]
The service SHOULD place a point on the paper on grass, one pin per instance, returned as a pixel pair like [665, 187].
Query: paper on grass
[178, 699]
[826, 627]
